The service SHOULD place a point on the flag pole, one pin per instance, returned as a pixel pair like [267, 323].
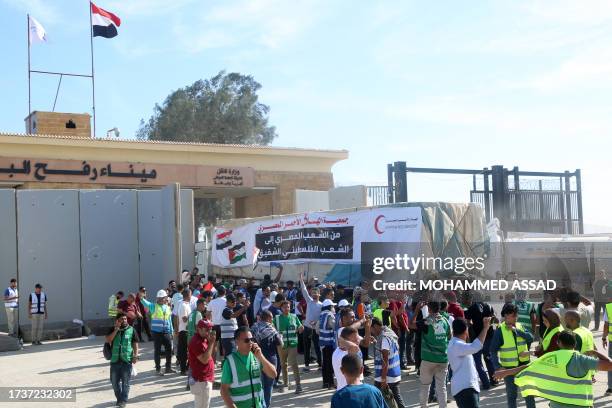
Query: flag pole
[29, 76]
[93, 82]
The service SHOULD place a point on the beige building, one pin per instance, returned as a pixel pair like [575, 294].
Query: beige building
[262, 180]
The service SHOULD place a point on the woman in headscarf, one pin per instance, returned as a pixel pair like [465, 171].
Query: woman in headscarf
[548, 343]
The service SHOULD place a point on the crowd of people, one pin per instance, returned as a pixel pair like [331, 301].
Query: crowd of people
[259, 335]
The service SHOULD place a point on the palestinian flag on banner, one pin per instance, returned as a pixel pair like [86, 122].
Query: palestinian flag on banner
[104, 22]
[237, 253]
[224, 240]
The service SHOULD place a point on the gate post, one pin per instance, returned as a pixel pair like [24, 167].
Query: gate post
[500, 189]
[390, 185]
[401, 185]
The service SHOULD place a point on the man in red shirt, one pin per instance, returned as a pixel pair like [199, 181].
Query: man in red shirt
[202, 364]
[131, 310]
[454, 308]
[400, 327]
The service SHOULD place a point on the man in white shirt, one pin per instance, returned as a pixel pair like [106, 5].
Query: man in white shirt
[183, 312]
[11, 306]
[349, 345]
[216, 307]
[175, 302]
[464, 383]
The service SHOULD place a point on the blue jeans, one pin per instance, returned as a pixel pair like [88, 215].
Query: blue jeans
[267, 384]
[512, 394]
[120, 373]
[228, 346]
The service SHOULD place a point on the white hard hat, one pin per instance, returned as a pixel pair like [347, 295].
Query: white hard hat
[161, 293]
[343, 303]
[328, 302]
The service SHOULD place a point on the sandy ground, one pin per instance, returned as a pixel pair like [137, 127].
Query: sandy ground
[79, 363]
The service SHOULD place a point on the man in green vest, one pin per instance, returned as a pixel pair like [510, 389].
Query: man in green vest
[563, 377]
[435, 335]
[606, 339]
[288, 326]
[195, 316]
[527, 316]
[241, 373]
[124, 346]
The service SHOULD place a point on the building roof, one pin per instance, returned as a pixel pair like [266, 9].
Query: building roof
[98, 140]
[79, 148]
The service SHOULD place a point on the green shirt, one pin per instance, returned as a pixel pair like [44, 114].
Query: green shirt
[578, 367]
[192, 323]
[525, 310]
[122, 345]
[287, 326]
[434, 343]
[244, 364]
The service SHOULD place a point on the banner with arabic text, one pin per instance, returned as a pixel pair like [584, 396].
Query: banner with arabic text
[314, 237]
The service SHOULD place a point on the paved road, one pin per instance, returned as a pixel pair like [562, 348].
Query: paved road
[79, 363]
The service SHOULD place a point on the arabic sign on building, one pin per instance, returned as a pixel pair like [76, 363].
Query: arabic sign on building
[315, 237]
[116, 173]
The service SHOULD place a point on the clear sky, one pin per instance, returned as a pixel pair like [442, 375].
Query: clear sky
[436, 84]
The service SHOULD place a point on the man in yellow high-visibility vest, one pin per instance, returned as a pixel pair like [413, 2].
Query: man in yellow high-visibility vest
[606, 339]
[563, 377]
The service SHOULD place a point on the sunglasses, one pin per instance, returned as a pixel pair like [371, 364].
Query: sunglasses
[250, 340]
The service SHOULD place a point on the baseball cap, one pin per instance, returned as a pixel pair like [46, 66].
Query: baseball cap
[328, 302]
[343, 303]
[205, 324]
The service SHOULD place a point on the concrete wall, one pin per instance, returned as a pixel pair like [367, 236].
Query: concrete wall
[49, 251]
[149, 240]
[283, 198]
[109, 247]
[309, 200]
[8, 244]
[348, 197]
[187, 230]
[82, 246]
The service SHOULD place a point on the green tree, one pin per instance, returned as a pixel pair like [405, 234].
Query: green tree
[224, 109]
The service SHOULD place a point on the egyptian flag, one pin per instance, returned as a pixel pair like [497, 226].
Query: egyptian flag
[224, 240]
[104, 23]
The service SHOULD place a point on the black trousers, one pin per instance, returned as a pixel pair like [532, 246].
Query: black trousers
[467, 398]
[397, 396]
[599, 306]
[166, 340]
[417, 350]
[181, 352]
[364, 350]
[142, 324]
[327, 367]
[311, 338]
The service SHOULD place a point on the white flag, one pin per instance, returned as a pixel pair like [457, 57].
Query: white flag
[37, 31]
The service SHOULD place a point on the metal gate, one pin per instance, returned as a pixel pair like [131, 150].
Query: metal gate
[527, 201]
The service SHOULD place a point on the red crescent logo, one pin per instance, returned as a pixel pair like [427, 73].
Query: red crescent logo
[376, 227]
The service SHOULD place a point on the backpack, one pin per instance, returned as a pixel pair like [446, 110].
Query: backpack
[107, 351]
